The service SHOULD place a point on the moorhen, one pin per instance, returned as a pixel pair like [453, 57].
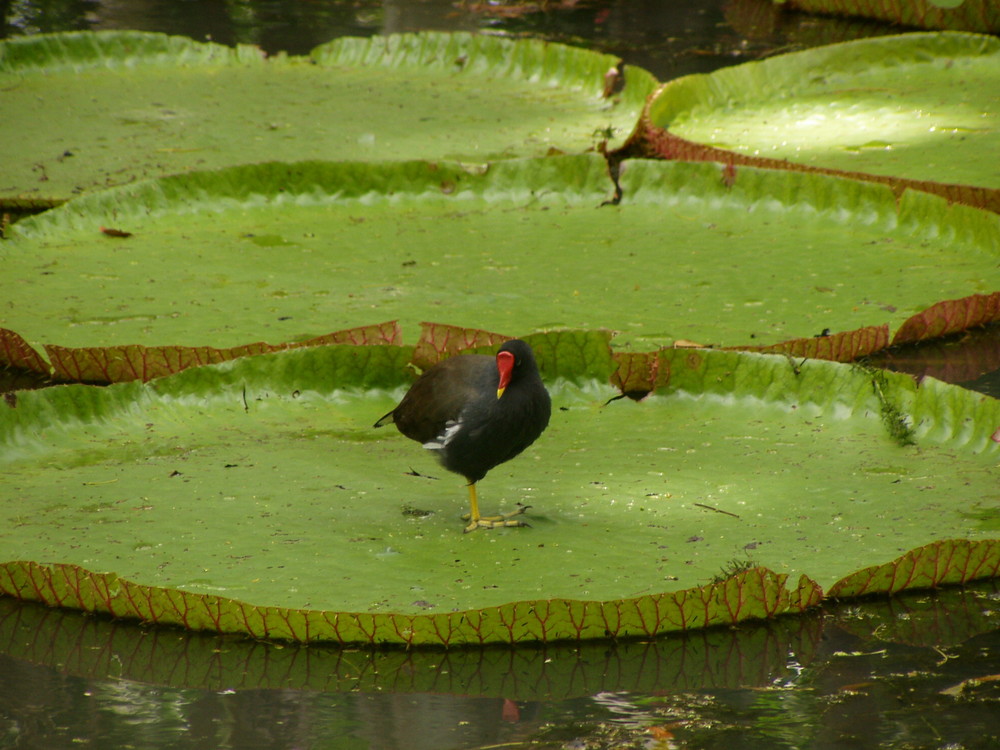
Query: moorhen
[476, 412]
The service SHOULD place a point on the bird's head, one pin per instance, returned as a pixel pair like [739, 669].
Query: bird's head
[513, 360]
[505, 367]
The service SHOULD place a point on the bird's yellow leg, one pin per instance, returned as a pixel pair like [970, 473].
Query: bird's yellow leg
[489, 522]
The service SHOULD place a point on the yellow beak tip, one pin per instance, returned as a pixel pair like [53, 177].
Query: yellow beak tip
[500, 392]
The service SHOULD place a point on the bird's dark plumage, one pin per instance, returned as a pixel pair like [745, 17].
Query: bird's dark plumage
[462, 409]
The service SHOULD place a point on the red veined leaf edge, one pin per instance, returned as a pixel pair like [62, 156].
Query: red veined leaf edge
[114, 364]
[753, 594]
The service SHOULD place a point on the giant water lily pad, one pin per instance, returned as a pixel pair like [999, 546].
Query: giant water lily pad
[255, 497]
[286, 253]
[917, 110]
[85, 110]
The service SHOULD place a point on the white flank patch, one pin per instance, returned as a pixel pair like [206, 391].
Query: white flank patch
[451, 428]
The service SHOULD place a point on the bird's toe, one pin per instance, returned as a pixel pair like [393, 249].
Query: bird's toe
[495, 522]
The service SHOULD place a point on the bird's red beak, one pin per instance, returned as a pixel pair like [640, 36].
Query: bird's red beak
[505, 366]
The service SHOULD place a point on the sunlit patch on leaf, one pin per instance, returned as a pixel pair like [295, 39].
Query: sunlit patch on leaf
[904, 111]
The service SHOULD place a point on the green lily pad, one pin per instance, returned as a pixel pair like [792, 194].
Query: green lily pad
[726, 257]
[84, 111]
[255, 497]
[915, 110]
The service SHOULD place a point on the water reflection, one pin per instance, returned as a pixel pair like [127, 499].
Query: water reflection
[76, 679]
[970, 359]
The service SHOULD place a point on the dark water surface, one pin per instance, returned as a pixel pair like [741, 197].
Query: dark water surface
[918, 671]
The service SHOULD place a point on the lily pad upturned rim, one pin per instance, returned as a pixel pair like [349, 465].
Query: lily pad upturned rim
[652, 136]
[111, 49]
[492, 55]
[489, 55]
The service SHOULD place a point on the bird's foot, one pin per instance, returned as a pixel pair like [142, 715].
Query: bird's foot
[496, 522]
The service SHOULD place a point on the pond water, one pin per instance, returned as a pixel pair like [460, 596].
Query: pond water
[917, 671]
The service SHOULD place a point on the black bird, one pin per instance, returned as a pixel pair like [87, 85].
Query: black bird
[476, 412]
